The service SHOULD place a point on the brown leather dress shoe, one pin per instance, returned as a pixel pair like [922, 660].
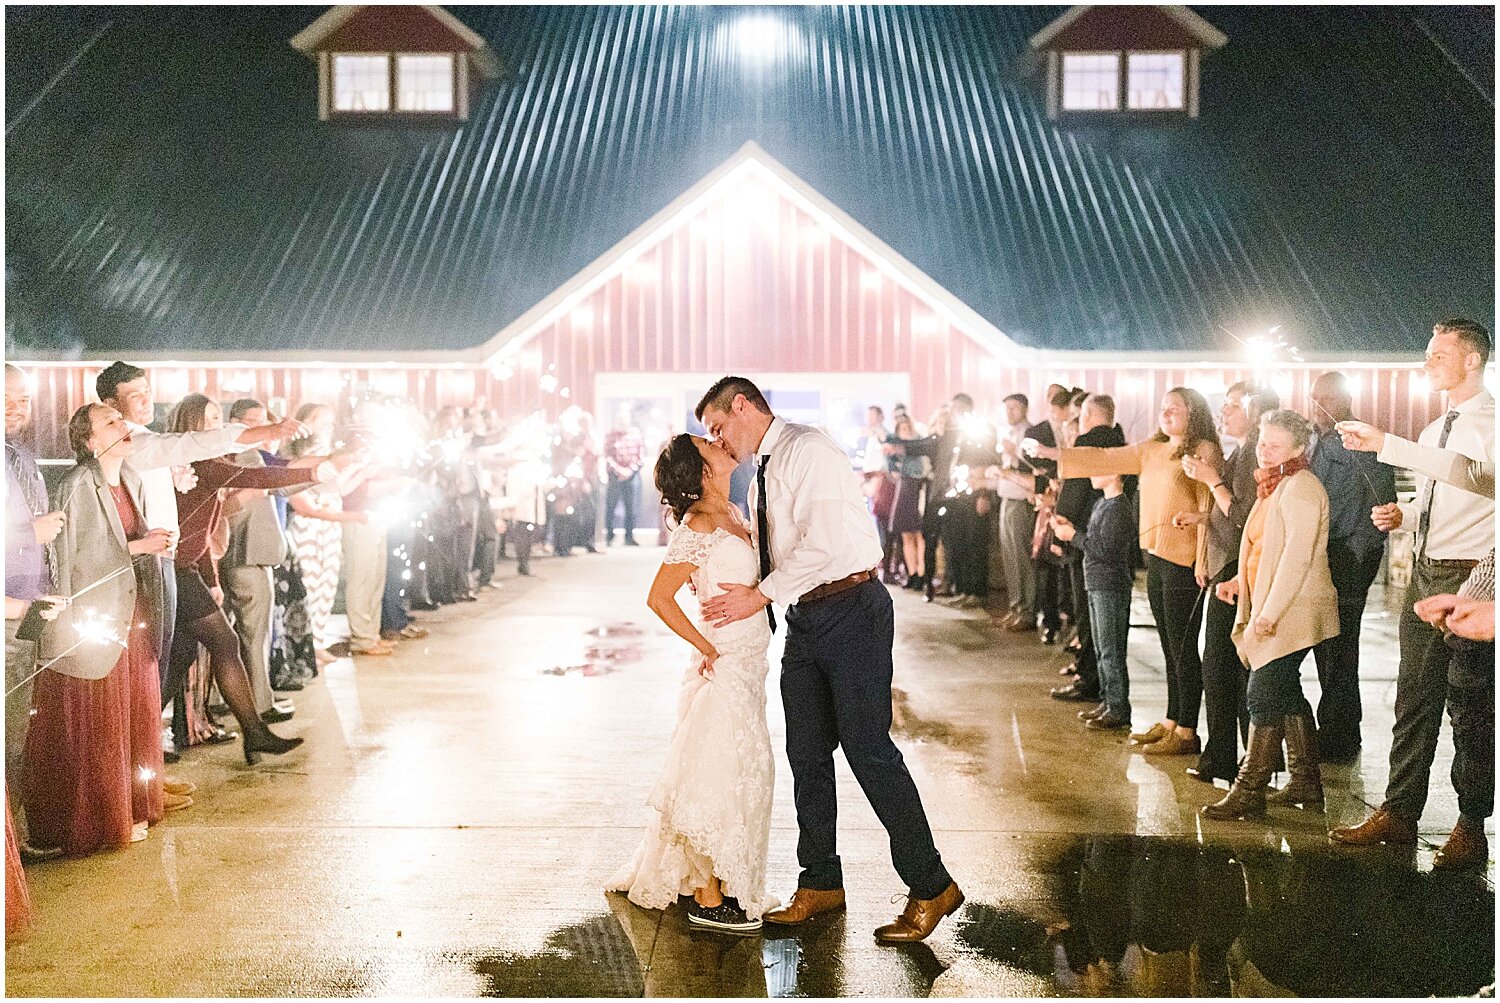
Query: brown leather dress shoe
[920, 917]
[1155, 733]
[805, 904]
[1173, 744]
[1467, 847]
[1382, 827]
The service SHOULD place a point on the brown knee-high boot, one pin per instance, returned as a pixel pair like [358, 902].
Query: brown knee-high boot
[1247, 795]
[1305, 787]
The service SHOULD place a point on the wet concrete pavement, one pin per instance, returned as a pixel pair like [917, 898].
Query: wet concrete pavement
[449, 824]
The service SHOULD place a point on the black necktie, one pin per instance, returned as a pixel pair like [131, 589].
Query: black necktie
[763, 529]
[1425, 518]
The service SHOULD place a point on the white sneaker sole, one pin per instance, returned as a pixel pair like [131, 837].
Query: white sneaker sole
[738, 929]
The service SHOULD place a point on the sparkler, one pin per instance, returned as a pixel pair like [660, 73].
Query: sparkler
[127, 569]
[92, 628]
[1263, 352]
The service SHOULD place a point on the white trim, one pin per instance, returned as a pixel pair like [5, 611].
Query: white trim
[325, 85]
[751, 161]
[1192, 85]
[462, 95]
[331, 20]
[309, 38]
[1054, 84]
[1211, 37]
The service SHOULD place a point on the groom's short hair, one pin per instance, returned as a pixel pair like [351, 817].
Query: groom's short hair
[721, 396]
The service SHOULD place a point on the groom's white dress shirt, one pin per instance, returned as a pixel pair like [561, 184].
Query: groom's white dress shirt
[821, 529]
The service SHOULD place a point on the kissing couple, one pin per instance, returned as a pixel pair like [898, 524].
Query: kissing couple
[810, 548]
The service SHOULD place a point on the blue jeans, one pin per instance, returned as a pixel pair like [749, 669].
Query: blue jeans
[1109, 620]
[1275, 689]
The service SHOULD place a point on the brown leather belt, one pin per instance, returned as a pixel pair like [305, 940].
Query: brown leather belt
[1461, 565]
[832, 589]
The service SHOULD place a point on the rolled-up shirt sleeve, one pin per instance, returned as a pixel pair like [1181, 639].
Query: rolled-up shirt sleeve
[157, 449]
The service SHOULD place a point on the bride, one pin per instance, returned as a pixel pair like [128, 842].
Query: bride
[710, 827]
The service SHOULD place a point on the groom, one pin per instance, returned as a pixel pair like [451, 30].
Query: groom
[818, 551]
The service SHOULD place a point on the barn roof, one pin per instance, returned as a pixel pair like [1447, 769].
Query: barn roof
[169, 186]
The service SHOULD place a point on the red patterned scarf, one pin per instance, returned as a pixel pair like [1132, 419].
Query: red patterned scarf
[1268, 478]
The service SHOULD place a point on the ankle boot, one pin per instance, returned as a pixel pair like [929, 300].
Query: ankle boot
[1247, 795]
[1305, 787]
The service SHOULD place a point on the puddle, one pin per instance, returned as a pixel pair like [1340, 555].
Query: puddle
[590, 958]
[620, 629]
[1146, 916]
[623, 653]
[1106, 916]
[908, 722]
[582, 669]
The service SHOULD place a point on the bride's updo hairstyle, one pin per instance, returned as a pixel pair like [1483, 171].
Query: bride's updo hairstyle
[679, 475]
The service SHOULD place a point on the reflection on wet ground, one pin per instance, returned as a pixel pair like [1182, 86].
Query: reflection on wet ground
[1122, 916]
[456, 809]
[582, 669]
[599, 659]
[906, 722]
[1145, 916]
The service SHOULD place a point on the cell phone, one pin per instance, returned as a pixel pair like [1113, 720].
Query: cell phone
[31, 626]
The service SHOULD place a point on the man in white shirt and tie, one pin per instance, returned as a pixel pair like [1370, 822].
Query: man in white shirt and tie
[818, 551]
[1454, 531]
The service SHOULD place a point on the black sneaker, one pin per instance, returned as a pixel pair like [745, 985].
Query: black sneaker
[1097, 711]
[726, 917]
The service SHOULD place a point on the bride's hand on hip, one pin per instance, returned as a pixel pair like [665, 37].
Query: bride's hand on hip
[706, 664]
[737, 602]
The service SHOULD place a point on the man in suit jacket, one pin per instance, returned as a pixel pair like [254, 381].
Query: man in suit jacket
[256, 546]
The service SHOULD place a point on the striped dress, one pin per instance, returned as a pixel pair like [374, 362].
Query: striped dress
[318, 544]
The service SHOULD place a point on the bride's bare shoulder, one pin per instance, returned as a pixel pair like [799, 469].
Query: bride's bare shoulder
[701, 522]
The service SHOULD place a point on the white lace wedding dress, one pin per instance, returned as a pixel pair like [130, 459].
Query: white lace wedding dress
[712, 806]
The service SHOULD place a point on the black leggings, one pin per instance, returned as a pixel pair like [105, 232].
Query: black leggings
[214, 633]
[1177, 607]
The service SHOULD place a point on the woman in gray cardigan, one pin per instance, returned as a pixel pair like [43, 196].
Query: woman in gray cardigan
[1286, 606]
[93, 754]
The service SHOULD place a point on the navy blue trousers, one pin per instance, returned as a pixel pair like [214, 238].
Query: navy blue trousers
[836, 689]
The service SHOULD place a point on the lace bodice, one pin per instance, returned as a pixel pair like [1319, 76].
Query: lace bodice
[721, 558]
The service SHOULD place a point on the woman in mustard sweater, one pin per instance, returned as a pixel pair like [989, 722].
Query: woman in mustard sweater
[1173, 521]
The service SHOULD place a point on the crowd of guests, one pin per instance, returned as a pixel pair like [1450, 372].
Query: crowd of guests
[1261, 535]
[192, 564]
[186, 568]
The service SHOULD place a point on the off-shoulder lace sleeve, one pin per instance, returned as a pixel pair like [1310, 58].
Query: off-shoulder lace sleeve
[689, 547]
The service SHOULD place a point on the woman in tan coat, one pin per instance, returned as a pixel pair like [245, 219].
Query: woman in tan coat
[1286, 604]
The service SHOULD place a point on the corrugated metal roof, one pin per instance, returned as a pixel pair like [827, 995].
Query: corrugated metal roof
[171, 187]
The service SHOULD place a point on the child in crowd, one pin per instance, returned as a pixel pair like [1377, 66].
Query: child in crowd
[1107, 575]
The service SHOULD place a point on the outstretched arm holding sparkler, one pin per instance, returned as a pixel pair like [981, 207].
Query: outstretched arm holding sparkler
[1446, 465]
